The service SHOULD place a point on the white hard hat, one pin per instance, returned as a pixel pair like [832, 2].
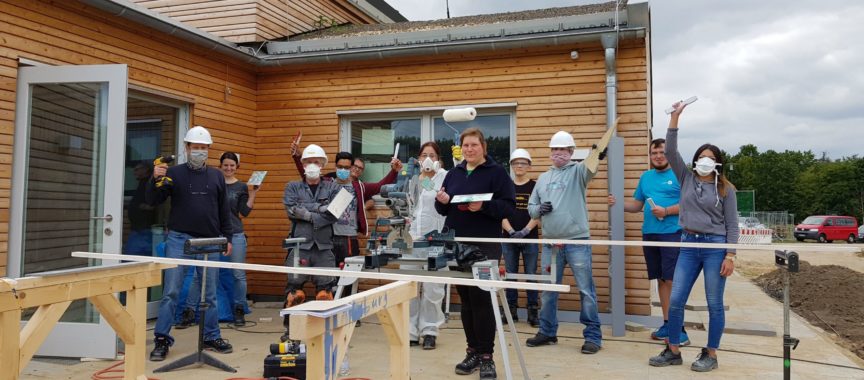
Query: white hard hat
[580, 154]
[313, 150]
[520, 153]
[198, 135]
[562, 139]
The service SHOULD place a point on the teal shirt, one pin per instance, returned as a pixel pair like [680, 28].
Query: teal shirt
[565, 188]
[663, 188]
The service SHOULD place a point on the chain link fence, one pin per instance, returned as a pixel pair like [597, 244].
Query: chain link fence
[782, 223]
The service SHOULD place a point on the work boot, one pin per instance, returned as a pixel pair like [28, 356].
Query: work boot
[470, 364]
[487, 368]
[666, 358]
[514, 312]
[239, 316]
[294, 298]
[219, 345]
[187, 319]
[161, 350]
[324, 295]
[590, 348]
[429, 342]
[532, 316]
[541, 340]
[704, 362]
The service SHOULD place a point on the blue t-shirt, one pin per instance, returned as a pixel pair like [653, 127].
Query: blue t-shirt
[663, 188]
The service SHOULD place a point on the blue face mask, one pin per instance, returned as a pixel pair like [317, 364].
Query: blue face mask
[343, 174]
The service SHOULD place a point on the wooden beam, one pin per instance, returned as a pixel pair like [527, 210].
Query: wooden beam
[10, 324]
[118, 317]
[38, 328]
[136, 350]
[394, 320]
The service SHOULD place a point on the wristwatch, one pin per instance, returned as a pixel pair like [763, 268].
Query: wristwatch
[730, 257]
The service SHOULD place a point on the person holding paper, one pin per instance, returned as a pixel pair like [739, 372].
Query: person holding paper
[306, 203]
[558, 200]
[521, 226]
[425, 309]
[658, 193]
[241, 201]
[478, 173]
[709, 215]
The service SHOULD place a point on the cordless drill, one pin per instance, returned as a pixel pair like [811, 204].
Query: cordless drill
[163, 180]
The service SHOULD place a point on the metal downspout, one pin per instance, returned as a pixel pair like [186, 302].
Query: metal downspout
[615, 167]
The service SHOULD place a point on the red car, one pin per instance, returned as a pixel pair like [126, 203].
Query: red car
[827, 228]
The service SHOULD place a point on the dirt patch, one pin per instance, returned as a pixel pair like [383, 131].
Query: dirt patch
[828, 296]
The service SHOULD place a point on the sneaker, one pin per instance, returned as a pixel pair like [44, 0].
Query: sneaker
[187, 319]
[429, 342]
[294, 298]
[219, 345]
[685, 340]
[666, 358]
[541, 340]
[161, 350]
[704, 362]
[470, 364]
[590, 348]
[661, 333]
[324, 295]
[532, 316]
[239, 316]
[487, 368]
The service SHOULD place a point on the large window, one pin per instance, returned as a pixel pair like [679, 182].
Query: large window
[374, 136]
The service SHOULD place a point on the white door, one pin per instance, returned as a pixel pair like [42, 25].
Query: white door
[67, 192]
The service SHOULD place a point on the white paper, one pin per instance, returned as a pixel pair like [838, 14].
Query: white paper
[257, 178]
[396, 152]
[467, 198]
[652, 204]
[340, 203]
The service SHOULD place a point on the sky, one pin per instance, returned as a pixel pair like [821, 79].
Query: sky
[779, 74]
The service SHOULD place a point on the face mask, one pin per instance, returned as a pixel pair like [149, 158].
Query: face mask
[560, 159]
[343, 174]
[197, 158]
[312, 171]
[430, 166]
[705, 166]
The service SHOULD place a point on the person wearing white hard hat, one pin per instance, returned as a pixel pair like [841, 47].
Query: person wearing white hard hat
[559, 202]
[520, 225]
[306, 203]
[199, 209]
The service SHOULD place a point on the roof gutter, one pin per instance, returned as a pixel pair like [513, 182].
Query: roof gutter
[550, 39]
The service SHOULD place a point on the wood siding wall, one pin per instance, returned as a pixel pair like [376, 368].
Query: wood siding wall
[258, 20]
[553, 93]
[70, 33]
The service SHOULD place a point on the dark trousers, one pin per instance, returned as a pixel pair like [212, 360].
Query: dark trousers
[478, 318]
[345, 246]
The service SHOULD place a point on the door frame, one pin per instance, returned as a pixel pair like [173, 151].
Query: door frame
[101, 339]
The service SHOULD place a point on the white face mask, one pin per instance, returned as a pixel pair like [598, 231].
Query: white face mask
[430, 166]
[705, 166]
[197, 158]
[312, 171]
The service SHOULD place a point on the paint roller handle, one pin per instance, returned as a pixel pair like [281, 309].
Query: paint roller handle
[683, 103]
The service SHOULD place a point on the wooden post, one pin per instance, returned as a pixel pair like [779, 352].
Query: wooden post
[9, 343]
[395, 320]
[136, 349]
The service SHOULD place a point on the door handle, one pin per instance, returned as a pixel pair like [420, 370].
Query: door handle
[107, 218]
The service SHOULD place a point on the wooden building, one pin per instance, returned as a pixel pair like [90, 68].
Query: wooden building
[256, 73]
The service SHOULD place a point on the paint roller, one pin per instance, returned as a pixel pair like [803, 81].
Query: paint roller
[455, 115]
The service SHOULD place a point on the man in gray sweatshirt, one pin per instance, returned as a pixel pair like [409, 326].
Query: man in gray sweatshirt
[558, 200]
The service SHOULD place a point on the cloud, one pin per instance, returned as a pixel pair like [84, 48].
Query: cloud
[780, 74]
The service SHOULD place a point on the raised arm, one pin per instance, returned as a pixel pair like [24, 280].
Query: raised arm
[679, 167]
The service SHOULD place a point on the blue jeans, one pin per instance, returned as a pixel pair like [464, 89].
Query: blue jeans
[238, 255]
[579, 259]
[172, 281]
[692, 261]
[511, 254]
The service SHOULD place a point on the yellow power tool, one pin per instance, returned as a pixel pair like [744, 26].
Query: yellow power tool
[163, 180]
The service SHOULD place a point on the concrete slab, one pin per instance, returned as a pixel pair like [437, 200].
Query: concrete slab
[749, 328]
[633, 326]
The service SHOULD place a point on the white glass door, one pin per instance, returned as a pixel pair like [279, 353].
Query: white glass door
[67, 192]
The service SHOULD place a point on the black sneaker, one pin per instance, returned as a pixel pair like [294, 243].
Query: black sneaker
[470, 364]
[187, 319]
[487, 368]
[532, 316]
[429, 342]
[219, 345]
[541, 340]
[704, 362]
[239, 316]
[666, 358]
[590, 348]
[161, 350]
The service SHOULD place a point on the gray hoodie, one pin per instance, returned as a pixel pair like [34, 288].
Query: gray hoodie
[565, 188]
